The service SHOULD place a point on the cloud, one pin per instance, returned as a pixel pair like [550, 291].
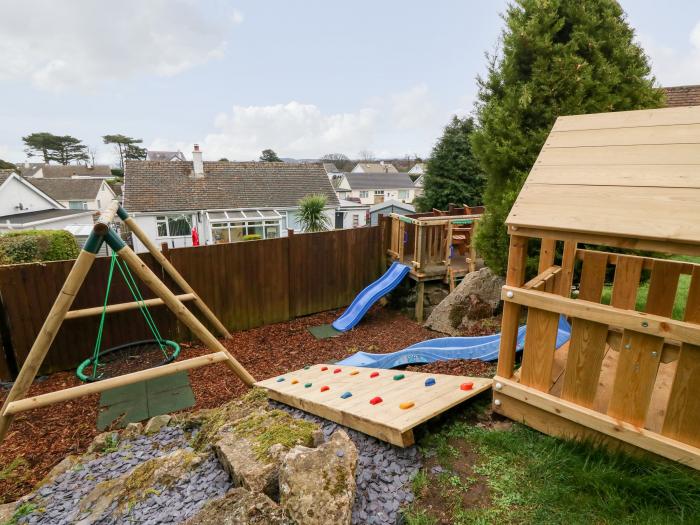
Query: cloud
[671, 66]
[82, 43]
[413, 108]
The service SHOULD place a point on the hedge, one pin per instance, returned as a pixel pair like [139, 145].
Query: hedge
[37, 245]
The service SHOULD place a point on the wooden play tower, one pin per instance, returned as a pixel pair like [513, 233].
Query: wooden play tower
[629, 376]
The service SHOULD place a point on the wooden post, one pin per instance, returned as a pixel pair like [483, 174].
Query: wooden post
[420, 292]
[175, 275]
[566, 276]
[181, 311]
[472, 246]
[517, 258]
[46, 335]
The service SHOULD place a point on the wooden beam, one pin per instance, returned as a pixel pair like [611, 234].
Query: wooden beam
[515, 276]
[647, 440]
[538, 282]
[122, 307]
[179, 279]
[106, 217]
[75, 392]
[647, 263]
[420, 299]
[640, 322]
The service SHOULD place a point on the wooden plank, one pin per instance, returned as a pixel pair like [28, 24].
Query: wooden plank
[615, 317]
[624, 155]
[662, 288]
[538, 354]
[626, 432]
[652, 175]
[626, 283]
[644, 135]
[682, 421]
[647, 263]
[629, 119]
[548, 249]
[588, 210]
[566, 276]
[588, 339]
[515, 276]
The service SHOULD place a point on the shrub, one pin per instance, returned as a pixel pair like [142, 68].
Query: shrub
[311, 215]
[252, 237]
[37, 245]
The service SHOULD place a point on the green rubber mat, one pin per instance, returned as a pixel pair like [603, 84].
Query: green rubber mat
[324, 331]
[132, 403]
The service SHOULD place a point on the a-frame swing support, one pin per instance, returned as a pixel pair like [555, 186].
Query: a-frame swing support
[17, 401]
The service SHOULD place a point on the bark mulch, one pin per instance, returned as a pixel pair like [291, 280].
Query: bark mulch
[40, 438]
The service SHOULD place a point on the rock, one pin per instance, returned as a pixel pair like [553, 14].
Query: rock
[62, 467]
[6, 512]
[435, 293]
[156, 423]
[317, 486]
[476, 297]
[103, 442]
[241, 507]
[318, 437]
[132, 430]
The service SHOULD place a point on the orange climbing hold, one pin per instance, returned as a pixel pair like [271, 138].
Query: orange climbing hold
[375, 400]
[324, 388]
[354, 373]
[324, 368]
[467, 386]
[406, 405]
[374, 374]
[295, 381]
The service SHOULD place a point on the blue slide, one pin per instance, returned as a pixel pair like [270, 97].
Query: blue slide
[370, 295]
[484, 348]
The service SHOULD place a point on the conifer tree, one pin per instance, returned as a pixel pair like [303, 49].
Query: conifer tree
[558, 57]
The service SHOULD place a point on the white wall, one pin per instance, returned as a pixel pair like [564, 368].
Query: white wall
[58, 224]
[13, 192]
[389, 195]
[148, 224]
[348, 217]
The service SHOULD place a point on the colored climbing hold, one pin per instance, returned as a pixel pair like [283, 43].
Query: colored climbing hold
[295, 381]
[374, 374]
[467, 386]
[307, 367]
[346, 395]
[398, 377]
[430, 381]
[354, 372]
[375, 400]
[406, 405]
[307, 385]
[324, 388]
[337, 371]
[280, 379]
[324, 368]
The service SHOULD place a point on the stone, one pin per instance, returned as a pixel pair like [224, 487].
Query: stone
[103, 441]
[317, 486]
[132, 430]
[60, 468]
[477, 297]
[241, 507]
[6, 511]
[155, 424]
[236, 454]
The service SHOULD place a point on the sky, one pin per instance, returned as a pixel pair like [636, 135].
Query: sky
[304, 78]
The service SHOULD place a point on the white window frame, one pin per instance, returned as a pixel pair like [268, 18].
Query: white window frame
[355, 220]
[83, 205]
[164, 220]
[364, 194]
[379, 192]
[405, 194]
[250, 220]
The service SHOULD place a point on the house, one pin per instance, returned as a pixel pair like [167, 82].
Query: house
[371, 188]
[331, 169]
[387, 207]
[77, 194]
[374, 167]
[37, 171]
[169, 156]
[222, 201]
[679, 96]
[419, 184]
[417, 169]
[24, 206]
[351, 214]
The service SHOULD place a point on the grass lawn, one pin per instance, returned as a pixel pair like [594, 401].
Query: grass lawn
[486, 471]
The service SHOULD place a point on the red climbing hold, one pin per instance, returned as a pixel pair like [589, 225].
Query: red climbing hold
[375, 400]
[467, 386]
[324, 368]
[337, 371]
[324, 388]
[374, 374]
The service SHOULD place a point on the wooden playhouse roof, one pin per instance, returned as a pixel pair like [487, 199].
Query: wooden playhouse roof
[628, 179]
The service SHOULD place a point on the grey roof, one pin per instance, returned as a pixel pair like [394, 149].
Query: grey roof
[376, 167]
[33, 216]
[69, 189]
[330, 167]
[379, 181]
[60, 171]
[5, 174]
[391, 204]
[168, 186]
[165, 155]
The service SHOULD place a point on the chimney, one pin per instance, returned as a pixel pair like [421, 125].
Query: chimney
[197, 162]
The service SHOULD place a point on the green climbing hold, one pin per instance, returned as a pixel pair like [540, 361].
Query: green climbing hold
[397, 377]
[307, 367]
[307, 385]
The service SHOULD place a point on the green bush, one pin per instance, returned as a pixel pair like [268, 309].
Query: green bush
[37, 245]
[252, 237]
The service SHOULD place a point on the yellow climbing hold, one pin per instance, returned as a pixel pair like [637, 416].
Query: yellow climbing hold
[354, 372]
[294, 381]
[406, 405]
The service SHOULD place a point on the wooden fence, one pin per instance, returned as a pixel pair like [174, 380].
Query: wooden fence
[246, 285]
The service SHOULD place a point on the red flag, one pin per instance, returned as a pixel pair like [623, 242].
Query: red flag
[195, 237]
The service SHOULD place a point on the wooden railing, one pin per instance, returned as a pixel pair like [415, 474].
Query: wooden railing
[629, 375]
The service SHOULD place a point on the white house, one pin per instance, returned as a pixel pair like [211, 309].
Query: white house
[374, 167]
[371, 188]
[222, 201]
[77, 194]
[171, 156]
[417, 169]
[24, 206]
[418, 183]
[351, 214]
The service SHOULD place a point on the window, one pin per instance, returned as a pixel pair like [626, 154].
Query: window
[174, 225]
[77, 205]
[364, 194]
[355, 220]
[233, 226]
[379, 192]
[403, 194]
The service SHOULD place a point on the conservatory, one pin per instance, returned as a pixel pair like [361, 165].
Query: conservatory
[240, 225]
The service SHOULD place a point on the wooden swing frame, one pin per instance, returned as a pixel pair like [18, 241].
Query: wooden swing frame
[17, 401]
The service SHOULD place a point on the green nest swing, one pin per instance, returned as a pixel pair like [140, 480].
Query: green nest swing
[129, 357]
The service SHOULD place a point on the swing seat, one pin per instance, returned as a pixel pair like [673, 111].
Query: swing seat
[110, 358]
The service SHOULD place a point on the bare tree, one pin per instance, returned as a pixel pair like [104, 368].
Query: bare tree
[366, 155]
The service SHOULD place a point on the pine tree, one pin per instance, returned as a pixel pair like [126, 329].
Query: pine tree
[452, 174]
[559, 57]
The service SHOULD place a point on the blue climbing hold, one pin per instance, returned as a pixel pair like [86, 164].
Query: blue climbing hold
[280, 379]
[346, 395]
[430, 381]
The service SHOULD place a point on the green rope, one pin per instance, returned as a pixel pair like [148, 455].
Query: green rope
[98, 340]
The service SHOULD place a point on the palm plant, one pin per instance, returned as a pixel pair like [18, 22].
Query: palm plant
[311, 215]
